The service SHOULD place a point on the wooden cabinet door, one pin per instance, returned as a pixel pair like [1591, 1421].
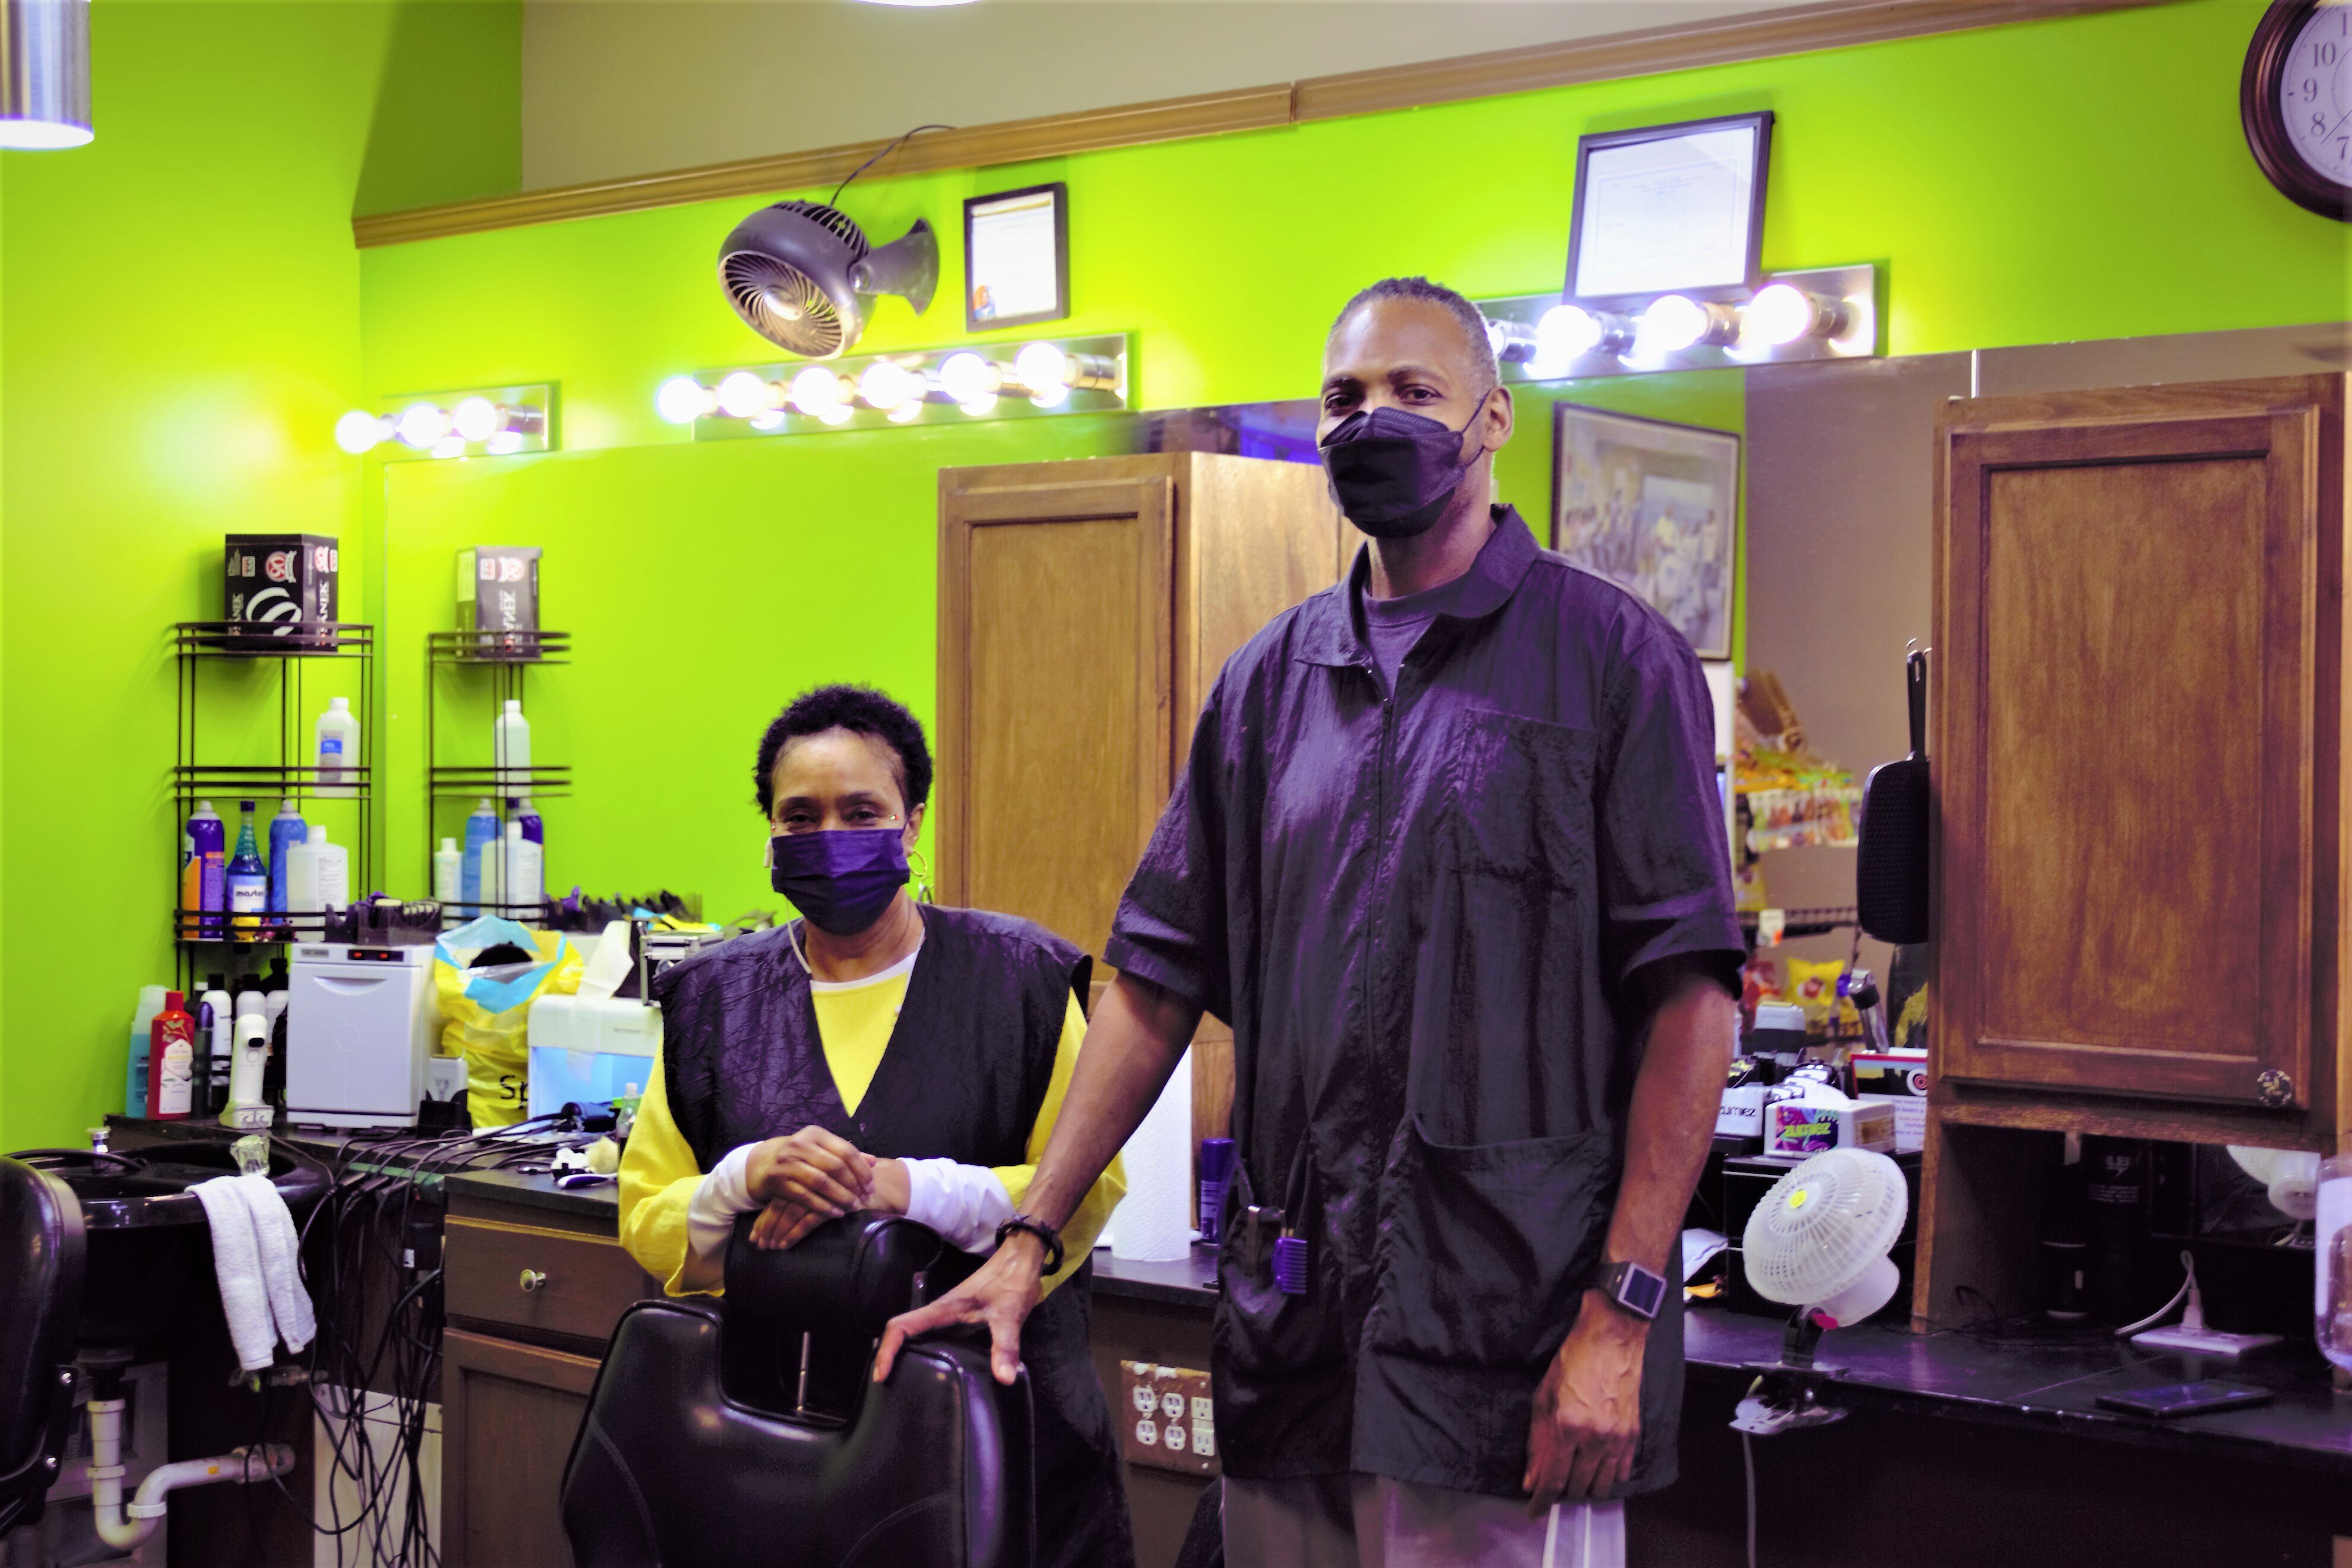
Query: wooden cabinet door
[1055, 612]
[508, 1412]
[2139, 595]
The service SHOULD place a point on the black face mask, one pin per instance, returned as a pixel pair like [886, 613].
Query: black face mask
[1393, 471]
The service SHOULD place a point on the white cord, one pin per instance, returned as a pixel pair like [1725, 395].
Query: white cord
[1747, 1457]
[2188, 1288]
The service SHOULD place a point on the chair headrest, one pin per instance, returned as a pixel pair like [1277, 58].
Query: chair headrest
[847, 1278]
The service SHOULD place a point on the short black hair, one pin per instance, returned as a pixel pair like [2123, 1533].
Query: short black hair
[1472, 320]
[861, 710]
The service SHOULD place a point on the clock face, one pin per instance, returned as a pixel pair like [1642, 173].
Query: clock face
[2315, 92]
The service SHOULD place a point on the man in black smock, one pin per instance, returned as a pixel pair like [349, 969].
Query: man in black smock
[1449, 856]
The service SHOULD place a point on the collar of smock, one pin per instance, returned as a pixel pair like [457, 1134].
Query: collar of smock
[1330, 634]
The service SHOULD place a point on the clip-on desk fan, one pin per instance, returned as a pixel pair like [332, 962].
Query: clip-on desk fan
[1819, 1242]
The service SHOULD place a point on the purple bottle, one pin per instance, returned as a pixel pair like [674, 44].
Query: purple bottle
[203, 881]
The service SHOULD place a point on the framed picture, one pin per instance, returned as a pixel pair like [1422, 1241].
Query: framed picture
[1655, 508]
[1670, 209]
[1016, 257]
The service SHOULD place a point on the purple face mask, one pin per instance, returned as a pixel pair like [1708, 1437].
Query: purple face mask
[841, 879]
[1393, 471]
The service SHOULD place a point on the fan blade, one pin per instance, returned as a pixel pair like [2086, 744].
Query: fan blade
[907, 266]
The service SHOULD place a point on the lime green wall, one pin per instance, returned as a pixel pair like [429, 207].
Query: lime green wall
[182, 326]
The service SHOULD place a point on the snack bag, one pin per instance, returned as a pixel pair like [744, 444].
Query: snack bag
[1814, 987]
[485, 1011]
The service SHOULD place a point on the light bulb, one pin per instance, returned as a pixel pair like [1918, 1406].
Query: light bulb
[772, 419]
[743, 393]
[682, 400]
[1672, 323]
[888, 385]
[967, 378]
[1054, 397]
[1565, 332]
[906, 412]
[503, 443]
[817, 391]
[421, 424]
[984, 403]
[1780, 313]
[451, 445]
[1044, 370]
[837, 414]
[357, 431]
[475, 418]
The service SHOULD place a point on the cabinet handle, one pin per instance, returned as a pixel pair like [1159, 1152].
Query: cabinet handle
[2275, 1088]
[532, 1279]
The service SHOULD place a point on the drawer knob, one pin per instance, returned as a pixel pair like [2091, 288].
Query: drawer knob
[532, 1279]
[2275, 1088]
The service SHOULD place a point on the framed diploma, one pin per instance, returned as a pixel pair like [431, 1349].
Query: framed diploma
[1670, 209]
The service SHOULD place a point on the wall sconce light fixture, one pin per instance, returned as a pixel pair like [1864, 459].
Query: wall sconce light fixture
[1046, 375]
[1830, 313]
[494, 421]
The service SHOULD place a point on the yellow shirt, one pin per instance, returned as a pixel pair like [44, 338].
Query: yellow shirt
[659, 1173]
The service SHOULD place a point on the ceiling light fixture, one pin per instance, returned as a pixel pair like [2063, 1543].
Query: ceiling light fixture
[44, 73]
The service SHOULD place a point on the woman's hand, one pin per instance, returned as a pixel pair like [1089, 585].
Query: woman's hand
[784, 1221]
[812, 1169]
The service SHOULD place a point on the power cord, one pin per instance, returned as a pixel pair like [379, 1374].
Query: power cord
[894, 144]
[1747, 1457]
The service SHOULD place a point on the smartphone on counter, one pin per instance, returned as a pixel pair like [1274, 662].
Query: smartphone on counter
[2169, 1401]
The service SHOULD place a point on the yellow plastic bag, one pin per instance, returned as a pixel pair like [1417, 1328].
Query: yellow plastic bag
[485, 1011]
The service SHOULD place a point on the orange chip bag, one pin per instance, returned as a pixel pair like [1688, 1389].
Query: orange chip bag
[1813, 988]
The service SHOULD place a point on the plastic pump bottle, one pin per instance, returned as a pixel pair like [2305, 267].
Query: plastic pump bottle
[248, 881]
[481, 830]
[338, 733]
[449, 874]
[525, 882]
[510, 747]
[150, 1003]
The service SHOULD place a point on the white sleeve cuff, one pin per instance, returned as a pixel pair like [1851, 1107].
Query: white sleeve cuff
[964, 1204]
[725, 1193]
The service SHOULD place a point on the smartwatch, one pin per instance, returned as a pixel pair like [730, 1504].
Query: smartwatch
[1634, 1289]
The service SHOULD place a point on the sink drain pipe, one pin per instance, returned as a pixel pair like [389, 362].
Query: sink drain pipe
[124, 1526]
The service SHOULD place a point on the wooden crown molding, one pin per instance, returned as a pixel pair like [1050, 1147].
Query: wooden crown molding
[1796, 30]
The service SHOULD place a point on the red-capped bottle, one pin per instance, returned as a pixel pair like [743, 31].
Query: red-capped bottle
[172, 1061]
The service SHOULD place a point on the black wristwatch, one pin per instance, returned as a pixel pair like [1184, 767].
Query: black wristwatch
[1634, 1289]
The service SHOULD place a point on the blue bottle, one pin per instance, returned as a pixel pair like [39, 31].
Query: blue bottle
[248, 881]
[481, 831]
[286, 830]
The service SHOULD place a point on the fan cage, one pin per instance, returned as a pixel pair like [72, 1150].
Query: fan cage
[1852, 1211]
[812, 324]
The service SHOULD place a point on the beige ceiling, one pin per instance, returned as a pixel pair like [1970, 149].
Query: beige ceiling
[612, 88]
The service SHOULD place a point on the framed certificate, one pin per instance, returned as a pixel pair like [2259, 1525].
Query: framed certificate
[1670, 209]
[1016, 257]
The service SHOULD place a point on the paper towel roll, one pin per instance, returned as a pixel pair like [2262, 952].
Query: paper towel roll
[1153, 1224]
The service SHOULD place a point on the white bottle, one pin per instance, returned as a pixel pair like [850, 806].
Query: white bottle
[216, 1007]
[317, 875]
[249, 999]
[338, 747]
[525, 882]
[449, 874]
[493, 877]
[511, 749]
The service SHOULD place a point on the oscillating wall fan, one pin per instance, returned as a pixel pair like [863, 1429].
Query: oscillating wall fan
[800, 274]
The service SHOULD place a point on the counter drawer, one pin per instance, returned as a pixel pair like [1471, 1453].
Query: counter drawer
[556, 1282]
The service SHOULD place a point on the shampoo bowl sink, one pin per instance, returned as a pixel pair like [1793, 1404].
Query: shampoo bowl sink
[148, 1244]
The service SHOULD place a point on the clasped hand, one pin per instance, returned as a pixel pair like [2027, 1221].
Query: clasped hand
[811, 1176]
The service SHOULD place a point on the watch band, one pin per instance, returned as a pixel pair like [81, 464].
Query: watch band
[1629, 1288]
[1043, 1232]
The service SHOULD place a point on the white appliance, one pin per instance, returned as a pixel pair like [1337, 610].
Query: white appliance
[360, 1022]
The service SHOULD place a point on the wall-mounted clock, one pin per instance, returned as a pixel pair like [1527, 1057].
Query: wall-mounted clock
[2297, 100]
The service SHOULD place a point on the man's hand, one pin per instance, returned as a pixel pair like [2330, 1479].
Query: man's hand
[813, 1170]
[1588, 1414]
[1001, 1295]
[783, 1222]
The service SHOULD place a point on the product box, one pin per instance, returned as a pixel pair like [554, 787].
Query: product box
[1800, 1127]
[498, 593]
[281, 583]
[1898, 1080]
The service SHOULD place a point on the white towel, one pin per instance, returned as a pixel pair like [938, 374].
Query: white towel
[236, 1265]
[281, 1252]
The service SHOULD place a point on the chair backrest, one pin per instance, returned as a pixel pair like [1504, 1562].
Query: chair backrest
[41, 1263]
[749, 1433]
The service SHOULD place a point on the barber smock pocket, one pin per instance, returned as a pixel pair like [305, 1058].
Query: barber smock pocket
[1486, 1249]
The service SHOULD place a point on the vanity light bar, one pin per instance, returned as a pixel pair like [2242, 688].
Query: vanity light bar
[491, 422]
[926, 386]
[1826, 313]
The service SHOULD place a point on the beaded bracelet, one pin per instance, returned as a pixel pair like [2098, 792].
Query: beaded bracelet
[1042, 1231]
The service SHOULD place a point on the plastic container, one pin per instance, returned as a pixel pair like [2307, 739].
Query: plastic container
[246, 1107]
[216, 1030]
[510, 748]
[203, 877]
[286, 830]
[449, 874]
[321, 875]
[481, 829]
[534, 829]
[172, 1062]
[2331, 1262]
[248, 881]
[338, 737]
[150, 1003]
[524, 882]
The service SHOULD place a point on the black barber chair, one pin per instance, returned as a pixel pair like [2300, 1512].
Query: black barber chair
[745, 1430]
[40, 1298]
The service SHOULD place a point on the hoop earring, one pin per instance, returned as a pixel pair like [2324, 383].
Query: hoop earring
[922, 869]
